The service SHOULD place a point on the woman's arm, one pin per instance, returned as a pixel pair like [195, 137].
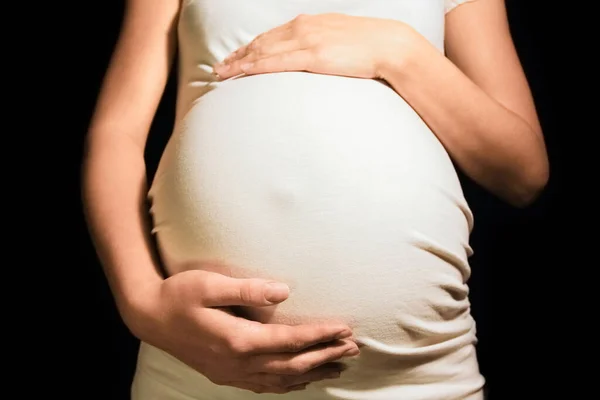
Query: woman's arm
[114, 172]
[186, 314]
[477, 101]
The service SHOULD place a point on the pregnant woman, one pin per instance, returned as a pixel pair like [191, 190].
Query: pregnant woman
[314, 147]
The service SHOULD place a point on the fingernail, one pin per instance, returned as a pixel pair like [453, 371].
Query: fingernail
[246, 66]
[351, 353]
[276, 292]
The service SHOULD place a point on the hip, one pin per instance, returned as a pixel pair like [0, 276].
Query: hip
[452, 377]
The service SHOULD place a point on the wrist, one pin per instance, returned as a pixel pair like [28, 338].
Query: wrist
[401, 51]
[138, 306]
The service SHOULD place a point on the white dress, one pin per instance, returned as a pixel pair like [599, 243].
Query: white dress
[331, 184]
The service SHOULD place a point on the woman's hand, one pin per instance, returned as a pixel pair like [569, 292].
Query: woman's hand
[187, 316]
[332, 44]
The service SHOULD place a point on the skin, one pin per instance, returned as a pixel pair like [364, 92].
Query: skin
[476, 100]
[477, 103]
[187, 314]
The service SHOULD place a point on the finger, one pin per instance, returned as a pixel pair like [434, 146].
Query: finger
[242, 338]
[222, 291]
[235, 55]
[298, 60]
[280, 33]
[303, 362]
[319, 374]
[275, 338]
[255, 54]
[262, 42]
[262, 389]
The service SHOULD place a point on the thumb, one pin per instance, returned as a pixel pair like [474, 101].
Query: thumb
[224, 291]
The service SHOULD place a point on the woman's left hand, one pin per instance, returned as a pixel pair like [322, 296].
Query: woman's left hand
[332, 44]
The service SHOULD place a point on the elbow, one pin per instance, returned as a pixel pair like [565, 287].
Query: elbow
[530, 186]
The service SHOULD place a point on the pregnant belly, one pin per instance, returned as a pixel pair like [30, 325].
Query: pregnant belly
[332, 185]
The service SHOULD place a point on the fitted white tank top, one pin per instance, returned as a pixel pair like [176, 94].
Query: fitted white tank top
[331, 184]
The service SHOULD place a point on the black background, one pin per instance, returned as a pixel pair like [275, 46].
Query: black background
[513, 286]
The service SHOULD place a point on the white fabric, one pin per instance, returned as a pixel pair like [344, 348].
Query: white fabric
[333, 185]
[452, 4]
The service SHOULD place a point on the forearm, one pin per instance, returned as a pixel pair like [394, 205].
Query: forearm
[114, 194]
[490, 143]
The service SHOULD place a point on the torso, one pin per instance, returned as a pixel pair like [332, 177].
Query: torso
[333, 185]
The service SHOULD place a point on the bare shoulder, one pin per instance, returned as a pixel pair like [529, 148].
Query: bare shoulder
[151, 13]
[479, 42]
[486, 17]
[139, 68]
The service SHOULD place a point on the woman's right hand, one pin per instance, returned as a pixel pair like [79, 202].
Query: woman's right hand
[188, 316]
